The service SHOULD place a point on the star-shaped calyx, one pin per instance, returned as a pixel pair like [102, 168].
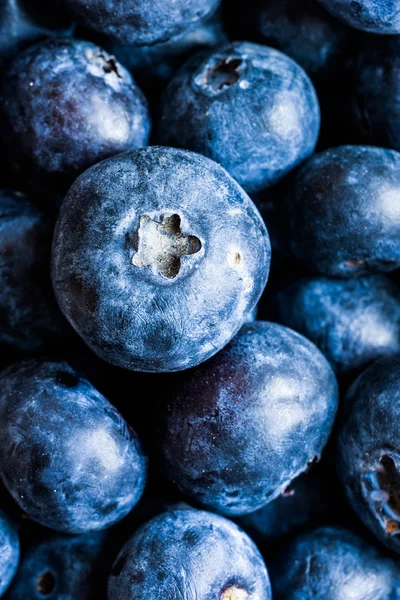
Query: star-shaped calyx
[161, 244]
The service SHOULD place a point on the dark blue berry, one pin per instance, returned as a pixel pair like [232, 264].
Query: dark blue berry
[140, 22]
[66, 455]
[238, 429]
[189, 554]
[66, 105]
[352, 321]
[331, 563]
[374, 16]
[158, 257]
[343, 211]
[248, 107]
[369, 449]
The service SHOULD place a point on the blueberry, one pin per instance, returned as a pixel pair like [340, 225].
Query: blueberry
[189, 554]
[66, 455]
[246, 106]
[352, 321]
[154, 65]
[140, 22]
[302, 30]
[66, 105]
[331, 563]
[375, 92]
[23, 22]
[57, 567]
[238, 429]
[374, 16]
[9, 552]
[343, 212]
[158, 257]
[369, 449]
[30, 319]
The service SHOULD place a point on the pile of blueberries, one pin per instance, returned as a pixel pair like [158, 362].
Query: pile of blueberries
[200, 300]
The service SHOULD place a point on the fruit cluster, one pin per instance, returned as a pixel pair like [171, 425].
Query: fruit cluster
[199, 300]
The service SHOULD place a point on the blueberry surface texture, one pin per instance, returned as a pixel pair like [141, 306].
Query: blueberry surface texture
[343, 211]
[66, 105]
[140, 22]
[374, 16]
[352, 321]
[376, 92]
[189, 554]
[239, 428]
[302, 30]
[248, 107]
[369, 449]
[332, 563]
[9, 552]
[29, 317]
[66, 455]
[61, 567]
[158, 257]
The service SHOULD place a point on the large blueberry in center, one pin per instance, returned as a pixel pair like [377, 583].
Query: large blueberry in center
[158, 257]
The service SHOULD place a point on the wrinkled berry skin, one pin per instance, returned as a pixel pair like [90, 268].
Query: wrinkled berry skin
[331, 563]
[153, 66]
[369, 449]
[66, 105]
[23, 22]
[248, 107]
[352, 321]
[158, 257]
[9, 552]
[238, 429]
[66, 455]
[189, 554]
[376, 92]
[374, 16]
[343, 211]
[62, 567]
[302, 30]
[29, 316]
[141, 22]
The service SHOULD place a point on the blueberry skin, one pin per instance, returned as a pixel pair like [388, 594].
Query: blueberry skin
[9, 552]
[141, 22]
[238, 429]
[331, 563]
[189, 554]
[57, 567]
[352, 321]
[29, 317]
[374, 16]
[22, 22]
[248, 107]
[302, 30]
[376, 91]
[66, 105]
[158, 257]
[342, 211]
[66, 455]
[368, 455]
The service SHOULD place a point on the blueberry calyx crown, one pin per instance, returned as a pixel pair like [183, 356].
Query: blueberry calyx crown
[161, 244]
[383, 488]
[234, 593]
[45, 583]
